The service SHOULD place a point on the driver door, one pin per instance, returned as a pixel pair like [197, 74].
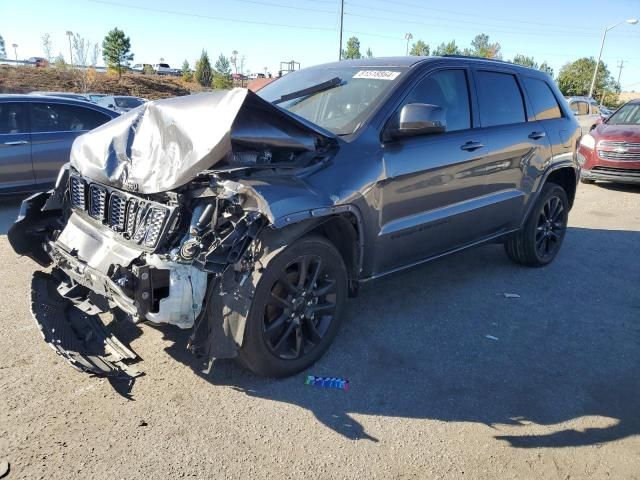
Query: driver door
[432, 195]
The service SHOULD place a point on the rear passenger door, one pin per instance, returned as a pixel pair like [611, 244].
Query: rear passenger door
[516, 147]
[16, 170]
[54, 127]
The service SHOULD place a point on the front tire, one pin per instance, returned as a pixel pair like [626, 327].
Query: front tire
[539, 241]
[296, 309]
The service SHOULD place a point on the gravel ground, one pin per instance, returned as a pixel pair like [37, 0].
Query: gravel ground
[554, 392]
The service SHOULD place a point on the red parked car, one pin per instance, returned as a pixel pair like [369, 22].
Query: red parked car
[611, 151]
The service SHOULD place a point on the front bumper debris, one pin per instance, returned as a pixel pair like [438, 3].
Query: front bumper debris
[76, 334]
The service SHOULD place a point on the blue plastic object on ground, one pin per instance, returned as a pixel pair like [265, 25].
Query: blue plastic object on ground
[327, 382]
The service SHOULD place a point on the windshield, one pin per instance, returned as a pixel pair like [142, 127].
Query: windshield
[128, 102]
[627, 115]
[338, 99]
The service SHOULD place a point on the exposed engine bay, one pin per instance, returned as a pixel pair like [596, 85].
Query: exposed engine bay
[154, 217]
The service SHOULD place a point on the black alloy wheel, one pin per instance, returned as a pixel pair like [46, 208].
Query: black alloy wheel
[538, 242]
[297, 308]
[300, 309]
[550, 227]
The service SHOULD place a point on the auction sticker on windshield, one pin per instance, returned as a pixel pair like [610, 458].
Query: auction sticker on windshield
[377, 74]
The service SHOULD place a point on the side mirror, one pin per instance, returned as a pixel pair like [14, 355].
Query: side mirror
[418, 119]
[111, 105]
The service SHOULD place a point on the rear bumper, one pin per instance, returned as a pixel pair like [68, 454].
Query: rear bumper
[617, 175]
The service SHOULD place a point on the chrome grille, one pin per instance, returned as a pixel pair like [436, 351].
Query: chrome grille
[619, 156]
[97, 202]
[140, 221]
[611, 144]
[117, 212]
[619, 151]
[77, 193]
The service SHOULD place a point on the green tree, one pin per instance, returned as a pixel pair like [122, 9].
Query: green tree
[419, 49]
[575, 78]
[222, 74]
[116, 50]
[481, 47]
[187, 76]
[524, 61]
[203, 74]
[3, 51]
[353, 49]
[546, 68]
[369, 53]
[447, 49]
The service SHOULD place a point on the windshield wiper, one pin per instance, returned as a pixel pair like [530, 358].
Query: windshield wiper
[320, 87]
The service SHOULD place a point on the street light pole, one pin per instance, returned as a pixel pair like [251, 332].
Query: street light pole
[341, 24]
[631, 21]
[15, 50]
[408, 37]
[69, 34]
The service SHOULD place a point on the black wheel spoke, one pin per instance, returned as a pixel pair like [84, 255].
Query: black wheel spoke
[325, 289]
[303, 269]
[322, 307]
[314, 335]
[317, 268]
[275, 327]
[279, 301]
[284, 336]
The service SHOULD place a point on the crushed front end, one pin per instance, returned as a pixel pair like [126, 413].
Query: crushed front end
[140, 225]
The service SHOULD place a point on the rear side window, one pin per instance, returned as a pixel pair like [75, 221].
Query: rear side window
[545, 105]
[581, 108]
[499, 99]
[447, 89]
[56, 117]
[12, 119]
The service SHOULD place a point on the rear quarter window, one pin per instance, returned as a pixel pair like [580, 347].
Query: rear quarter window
[499, 99]
[544, 102]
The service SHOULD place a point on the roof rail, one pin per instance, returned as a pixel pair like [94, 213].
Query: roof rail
[478, 58]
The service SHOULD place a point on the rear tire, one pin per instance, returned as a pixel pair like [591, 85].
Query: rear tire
[296, 309]
[539, 241]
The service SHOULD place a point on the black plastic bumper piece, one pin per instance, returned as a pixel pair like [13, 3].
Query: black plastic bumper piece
[80, 338]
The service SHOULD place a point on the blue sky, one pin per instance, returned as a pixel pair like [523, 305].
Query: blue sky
[269, 31]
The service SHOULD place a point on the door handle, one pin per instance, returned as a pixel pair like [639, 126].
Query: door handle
[17, 142]
[470, 146]
[537, 135]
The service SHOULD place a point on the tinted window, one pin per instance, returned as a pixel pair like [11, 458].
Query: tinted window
[447, 89]
[545, 105]
[128, 102]
[12, 118]
[52, 117]
[595, 110]
[500, 99]
[628, 114]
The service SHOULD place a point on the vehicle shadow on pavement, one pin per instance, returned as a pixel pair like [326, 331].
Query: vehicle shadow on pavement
[9, 210]
[443, 342]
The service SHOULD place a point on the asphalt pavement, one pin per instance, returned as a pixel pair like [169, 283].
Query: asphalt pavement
[449, 377]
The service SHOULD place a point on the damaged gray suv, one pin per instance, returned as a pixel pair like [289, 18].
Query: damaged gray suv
[250, 218]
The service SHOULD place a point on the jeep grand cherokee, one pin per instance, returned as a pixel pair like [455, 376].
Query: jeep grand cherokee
[250, 218]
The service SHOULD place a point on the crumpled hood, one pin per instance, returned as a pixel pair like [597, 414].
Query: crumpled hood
[164, 144]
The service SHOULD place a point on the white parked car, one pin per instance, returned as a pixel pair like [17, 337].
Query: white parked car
[165, 69]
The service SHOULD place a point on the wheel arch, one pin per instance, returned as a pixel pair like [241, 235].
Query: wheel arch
[567, 178]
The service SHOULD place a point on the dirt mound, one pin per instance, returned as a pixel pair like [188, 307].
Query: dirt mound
[151, 87]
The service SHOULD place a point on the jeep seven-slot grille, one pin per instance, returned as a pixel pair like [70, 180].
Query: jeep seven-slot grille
[97, 201]
[117, 211]
[138, 220]
[77, 193]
